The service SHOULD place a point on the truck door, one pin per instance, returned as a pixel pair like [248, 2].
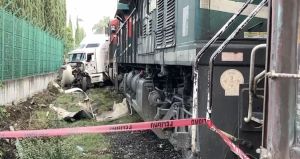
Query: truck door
[91, 63]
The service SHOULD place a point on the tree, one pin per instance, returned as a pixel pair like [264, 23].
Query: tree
[79, 33]
[68, 40]
[49, 15]
[100, 27]
[70, 23]
[70, 26]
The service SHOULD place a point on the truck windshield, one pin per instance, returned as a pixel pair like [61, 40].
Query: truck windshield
[77, 57]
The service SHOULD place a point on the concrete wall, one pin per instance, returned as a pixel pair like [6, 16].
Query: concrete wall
[16, 90]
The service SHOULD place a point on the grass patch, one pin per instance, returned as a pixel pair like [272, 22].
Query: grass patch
[3, 113]
[42, 119]
[53, 148]
[69, 102]
[103, 99]
[91, 146]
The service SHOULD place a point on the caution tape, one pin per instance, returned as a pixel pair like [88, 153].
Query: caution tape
[122, 128]
[227, 141]
[102, 128]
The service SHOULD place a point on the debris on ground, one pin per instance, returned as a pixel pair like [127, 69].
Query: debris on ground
[71, 116]
[55, 88]
[20, 116]
[41, 112]
[119, 110]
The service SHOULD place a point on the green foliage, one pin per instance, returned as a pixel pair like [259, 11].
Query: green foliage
[101, 26]
[94, 145]
[55, 11]
[50, 15]
[54, 148]
[70, 24]
[74, 147]
[42, 119]
[79, 33]
[3, 113]
[68, 40]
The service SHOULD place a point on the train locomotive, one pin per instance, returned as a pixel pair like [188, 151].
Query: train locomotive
[153, 49]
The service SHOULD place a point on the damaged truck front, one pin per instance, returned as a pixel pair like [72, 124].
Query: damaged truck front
[86, 66]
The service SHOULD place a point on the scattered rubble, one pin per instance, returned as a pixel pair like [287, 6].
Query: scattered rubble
[71, 116]
[119, 110]
[41, 111]
[53, 87]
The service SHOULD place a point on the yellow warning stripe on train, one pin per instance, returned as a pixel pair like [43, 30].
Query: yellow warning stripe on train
[255, 35]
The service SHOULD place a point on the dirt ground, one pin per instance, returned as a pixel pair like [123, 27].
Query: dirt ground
[141, 145]
[34, 113]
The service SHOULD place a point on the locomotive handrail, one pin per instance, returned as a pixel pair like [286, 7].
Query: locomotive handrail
[257, 79]
[251, 80]
[207, 45]
[130, 15]
[220, 49]
[195, 148]
[221, 31]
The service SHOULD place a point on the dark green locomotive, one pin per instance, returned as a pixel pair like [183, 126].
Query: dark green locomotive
[154, 44]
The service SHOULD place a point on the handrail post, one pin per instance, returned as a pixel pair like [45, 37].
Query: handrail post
[282, 140]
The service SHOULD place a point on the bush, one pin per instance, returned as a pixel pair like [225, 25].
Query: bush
[53, 148]
[3, 113]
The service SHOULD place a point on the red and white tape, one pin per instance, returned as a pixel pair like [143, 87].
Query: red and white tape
[227, 141]
[121, 128]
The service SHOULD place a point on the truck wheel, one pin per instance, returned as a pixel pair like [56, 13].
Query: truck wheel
[84, 84]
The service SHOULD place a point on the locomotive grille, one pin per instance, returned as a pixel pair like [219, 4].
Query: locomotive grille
[165, 29]
[150, 26]
[160, 24]
[170, 23]
[145, 30]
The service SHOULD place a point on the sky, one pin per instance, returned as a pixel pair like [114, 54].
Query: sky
[90, 11]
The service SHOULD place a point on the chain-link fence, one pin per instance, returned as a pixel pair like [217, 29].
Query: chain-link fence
[25, 49]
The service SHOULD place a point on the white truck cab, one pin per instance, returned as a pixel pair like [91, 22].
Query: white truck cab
[88, 65]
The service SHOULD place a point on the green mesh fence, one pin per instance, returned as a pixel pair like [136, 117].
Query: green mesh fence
[26, 50]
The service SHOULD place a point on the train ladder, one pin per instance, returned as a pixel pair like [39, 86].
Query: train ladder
[195, 144]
